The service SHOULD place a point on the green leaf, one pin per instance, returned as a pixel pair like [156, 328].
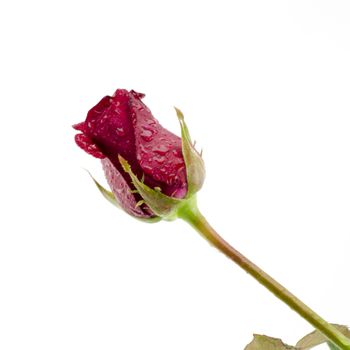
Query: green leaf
[161, 204]
[263, 342]
[317, 338]
[195, 169]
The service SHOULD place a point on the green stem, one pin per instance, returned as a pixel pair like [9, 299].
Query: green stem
[191, 214]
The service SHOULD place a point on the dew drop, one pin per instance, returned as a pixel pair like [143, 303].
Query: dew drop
[180, 169]
[160, 149]
[143, 148]
[146, 135]
[146, 167]
[151, 122]
[178, 165]
[157, 177]
[159, 160]
[177, 153]
[120, 131]
[119, 190]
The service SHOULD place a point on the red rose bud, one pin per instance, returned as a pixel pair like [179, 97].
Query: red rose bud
[151, 171]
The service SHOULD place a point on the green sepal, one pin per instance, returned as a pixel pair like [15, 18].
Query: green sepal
[161, 204]
[111, 198]
[105, 193]
[195, 169]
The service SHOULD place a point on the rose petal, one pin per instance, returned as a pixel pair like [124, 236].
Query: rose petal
[99, 108]
[121, 190]
[88, 146]
[109, 125]
[79, 127]
[139, 95]
[158, 151]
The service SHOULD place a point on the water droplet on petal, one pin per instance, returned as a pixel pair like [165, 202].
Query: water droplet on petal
[157, 177]
[160, 149]
[177, 153]
[178, 164]
[120, 131]
[180, 169]
[150, 122]
[159, 160]
[146, 167]
[169, 181]
[146, 135]
[143, 149]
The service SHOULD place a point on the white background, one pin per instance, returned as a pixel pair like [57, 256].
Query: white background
[265, 88]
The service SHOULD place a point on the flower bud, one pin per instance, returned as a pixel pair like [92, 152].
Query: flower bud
[151, 171]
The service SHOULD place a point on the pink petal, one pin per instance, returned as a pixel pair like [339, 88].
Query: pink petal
[110, 126]
[79, 126]
[121, 191]
[158, 151]
[88, 146]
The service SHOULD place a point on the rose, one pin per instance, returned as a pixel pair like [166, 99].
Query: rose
[153, 175]
[149, 170]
